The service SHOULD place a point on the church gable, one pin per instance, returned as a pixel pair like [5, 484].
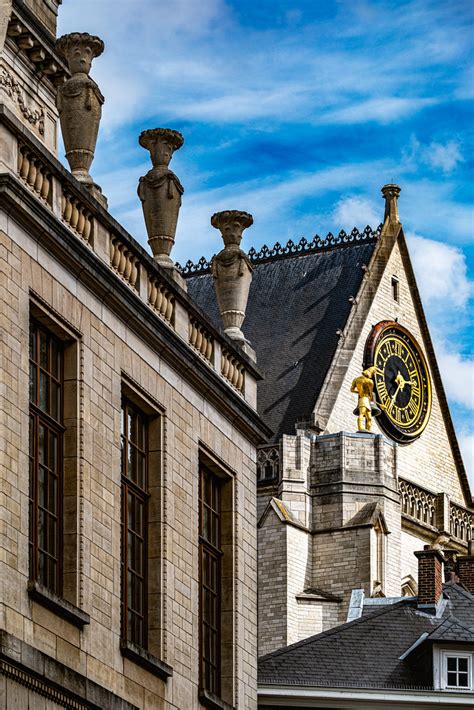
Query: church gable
[389, 293]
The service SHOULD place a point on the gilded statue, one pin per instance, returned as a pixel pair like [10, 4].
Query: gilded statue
[364, 387]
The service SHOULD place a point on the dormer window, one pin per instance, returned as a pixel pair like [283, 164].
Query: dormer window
[455, 670]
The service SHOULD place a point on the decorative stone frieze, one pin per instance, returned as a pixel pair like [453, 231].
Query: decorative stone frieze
[160, 192]
[12, 88]
[79, 102]
[232, 271]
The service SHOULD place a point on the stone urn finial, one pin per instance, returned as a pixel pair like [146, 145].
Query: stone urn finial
[391, 193]
[232, 271]
[160, 192]
[79, 102]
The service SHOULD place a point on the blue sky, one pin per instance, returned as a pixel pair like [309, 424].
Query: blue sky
[299, 112]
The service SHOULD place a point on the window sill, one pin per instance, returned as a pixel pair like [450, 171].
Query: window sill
[211, 701]
[144, 659]
[61, 607]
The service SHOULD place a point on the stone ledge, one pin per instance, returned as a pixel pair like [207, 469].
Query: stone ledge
[146, 660]
[52, 680]
[61, 607]
[211, 701]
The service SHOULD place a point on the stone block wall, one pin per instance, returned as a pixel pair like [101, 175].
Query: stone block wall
[109, 354]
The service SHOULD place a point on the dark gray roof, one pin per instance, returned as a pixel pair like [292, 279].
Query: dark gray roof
[367, 651]
[299, 299]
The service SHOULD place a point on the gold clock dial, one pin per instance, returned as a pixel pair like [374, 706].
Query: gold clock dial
[401, 381]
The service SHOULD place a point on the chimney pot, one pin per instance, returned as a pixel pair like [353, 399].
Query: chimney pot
[430, 578]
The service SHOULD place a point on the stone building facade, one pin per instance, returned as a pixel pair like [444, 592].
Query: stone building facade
[127, 422]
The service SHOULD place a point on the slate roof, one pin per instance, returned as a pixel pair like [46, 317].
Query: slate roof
[298, 301]
[366, 652]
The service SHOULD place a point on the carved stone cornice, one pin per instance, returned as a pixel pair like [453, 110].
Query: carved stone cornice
[30, 41]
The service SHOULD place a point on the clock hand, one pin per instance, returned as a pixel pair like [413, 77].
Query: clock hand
[393, 398]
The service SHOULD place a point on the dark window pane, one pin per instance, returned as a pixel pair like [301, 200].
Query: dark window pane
[33, 374]
[463, 681]
[55, 405]
[43, 393]
[44, 350]
[462, 664]
[452, 679]
[55, 358]
[452, 663]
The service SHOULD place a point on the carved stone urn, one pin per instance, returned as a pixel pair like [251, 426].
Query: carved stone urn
[160, 192]
[232, 271]
[79, 102]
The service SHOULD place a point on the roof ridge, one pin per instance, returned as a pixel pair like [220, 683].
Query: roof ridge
[336, 629]
[304, 246]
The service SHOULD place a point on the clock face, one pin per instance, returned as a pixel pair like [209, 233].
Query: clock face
[401, 381]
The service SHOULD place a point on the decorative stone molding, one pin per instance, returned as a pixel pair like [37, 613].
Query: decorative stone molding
[79, 102]
[160, 192]
[232, 271]
[12, 87]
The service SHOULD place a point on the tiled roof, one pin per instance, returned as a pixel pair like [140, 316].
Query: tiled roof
[298, 302]
[367, 652]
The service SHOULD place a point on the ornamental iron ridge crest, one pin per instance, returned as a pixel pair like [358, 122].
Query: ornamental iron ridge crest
[304, 246]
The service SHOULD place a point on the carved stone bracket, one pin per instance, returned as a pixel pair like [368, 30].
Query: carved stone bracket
[12, 87]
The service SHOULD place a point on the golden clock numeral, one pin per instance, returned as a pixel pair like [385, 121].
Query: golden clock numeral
[415, 391]
[413, 406]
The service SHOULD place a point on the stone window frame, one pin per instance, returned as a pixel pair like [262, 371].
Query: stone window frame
[227, 484]
[150, 655]
[65, 600]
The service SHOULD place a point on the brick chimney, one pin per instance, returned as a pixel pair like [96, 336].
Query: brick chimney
[430, 578]
[465, 565]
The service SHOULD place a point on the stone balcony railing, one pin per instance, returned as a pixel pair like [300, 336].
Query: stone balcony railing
[435, 512]
[56, 190]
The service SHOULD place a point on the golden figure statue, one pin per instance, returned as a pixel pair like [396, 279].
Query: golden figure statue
[364, 387]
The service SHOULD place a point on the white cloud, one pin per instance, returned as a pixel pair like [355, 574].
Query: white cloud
[466, 442]
[458, 377]
[438, 156]
[386, 109]
[356, 212]
[441, 273]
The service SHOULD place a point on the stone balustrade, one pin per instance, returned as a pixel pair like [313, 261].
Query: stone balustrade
[161, 299]
[425, 508]
[77, 216]
[34, 173]
[87, 220]
[124, 262]
[461, 521]
[232, 370]
[418, 503]
[200, 339]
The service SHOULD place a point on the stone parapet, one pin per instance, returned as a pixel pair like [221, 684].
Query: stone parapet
[72, 205]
